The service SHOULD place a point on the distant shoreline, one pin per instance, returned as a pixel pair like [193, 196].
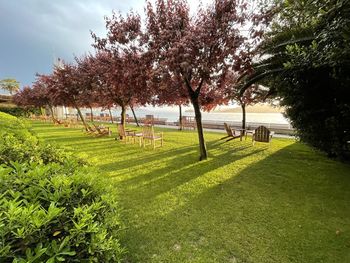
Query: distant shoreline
[260, 108]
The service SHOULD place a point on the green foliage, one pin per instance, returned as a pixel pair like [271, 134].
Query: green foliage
[52, 208]
[307, 66]
[18, 111]
[17, 144]
[30, 149]
[9, 123]
[51, 214]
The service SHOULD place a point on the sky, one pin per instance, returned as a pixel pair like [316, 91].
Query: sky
[36, 32]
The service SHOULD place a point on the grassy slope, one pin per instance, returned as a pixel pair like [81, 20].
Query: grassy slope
[277, 203]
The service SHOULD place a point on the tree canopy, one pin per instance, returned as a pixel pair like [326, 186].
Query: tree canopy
[305, 62]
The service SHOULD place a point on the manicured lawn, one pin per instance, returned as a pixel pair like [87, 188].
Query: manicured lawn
[278, 203]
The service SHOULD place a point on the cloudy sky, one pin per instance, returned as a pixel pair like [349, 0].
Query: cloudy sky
[35, 32]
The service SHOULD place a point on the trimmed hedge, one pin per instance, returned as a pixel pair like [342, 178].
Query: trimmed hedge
[17, 143]
[52, 208]
[18, 111]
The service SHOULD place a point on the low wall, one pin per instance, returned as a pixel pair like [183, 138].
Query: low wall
[219, 125]
[286, 129]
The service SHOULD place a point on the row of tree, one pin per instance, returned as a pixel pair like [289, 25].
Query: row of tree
[174, 59]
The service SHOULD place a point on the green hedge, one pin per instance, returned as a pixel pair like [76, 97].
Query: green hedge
[52, 208]
[18, 111]
[17, 143]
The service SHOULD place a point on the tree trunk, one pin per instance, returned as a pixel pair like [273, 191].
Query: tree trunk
[87, 128]
[180, 118]
[198, 116]
[133, 113]
[91, 115]
[51, 111]
[110, 114]
[122, 116]
[243, 116]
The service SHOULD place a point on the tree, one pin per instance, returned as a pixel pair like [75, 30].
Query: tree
[120, 64]
[88, 78]
[23, 98]
[66, 88]
[198, 49]
[11, 85]
[305, 62]
[36, 96]
[252, 95]
[169, 90]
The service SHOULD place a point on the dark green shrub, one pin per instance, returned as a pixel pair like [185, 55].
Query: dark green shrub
[49, 214]
[319, 108]
[305, 63]
[18, 111]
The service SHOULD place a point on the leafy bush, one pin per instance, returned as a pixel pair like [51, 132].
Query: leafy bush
[18, 144]
[52, 208]
[9, 123]
[18, 111]
[49, 214]
[305, 62]
[318, 107]
[30, 149]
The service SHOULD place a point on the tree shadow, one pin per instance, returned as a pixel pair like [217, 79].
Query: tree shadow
[279, 209]
[145, 156]
[183, 168]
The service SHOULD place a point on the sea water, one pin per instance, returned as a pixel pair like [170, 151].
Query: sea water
[172, 115]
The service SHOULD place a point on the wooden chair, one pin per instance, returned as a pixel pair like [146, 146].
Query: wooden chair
[101, 130]
[57, 122]
[67, 123]
[34, 117]
[262, 134]
[149, 120]
[90, 130]
[43, 118]
[138, 135]
[149, 135]
[231, 133]
[124, 135]
[188, 122]
[73, 123]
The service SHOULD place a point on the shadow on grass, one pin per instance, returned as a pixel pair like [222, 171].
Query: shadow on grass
[241, 205]
[146, 156]
[274, 210]
[184, 168]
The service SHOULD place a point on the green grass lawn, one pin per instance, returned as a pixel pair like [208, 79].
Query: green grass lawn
[281, 202]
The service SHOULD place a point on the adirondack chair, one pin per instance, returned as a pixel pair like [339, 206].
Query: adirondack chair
[90, 130]
[101, 131]
[262, 134]
[57, 122]
[231, 133]
[148, 135]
